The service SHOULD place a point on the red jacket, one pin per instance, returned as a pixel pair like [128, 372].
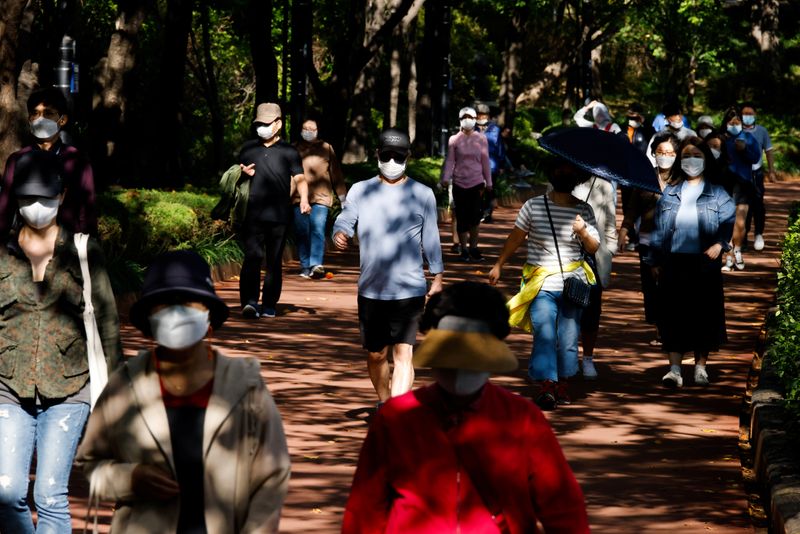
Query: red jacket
[77, 212]
[420, 465]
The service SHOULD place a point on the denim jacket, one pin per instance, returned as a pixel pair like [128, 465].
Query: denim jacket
[715, 213]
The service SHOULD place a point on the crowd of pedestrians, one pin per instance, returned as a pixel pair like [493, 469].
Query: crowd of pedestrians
[186, 439]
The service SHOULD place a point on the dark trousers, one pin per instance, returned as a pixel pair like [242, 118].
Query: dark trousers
[757, 212]
[262, 242]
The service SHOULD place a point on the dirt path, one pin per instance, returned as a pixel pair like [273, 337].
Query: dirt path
[648, 459]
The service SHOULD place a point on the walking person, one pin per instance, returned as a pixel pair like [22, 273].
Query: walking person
[323, 174]
[185, 439]
[45, 391]
[558, 229]
[693, 226]
[47, 116]
[396, 220]
[462, 454]
[675, 123]
[273, 165]
[742, 151]
[642, 208]
[601, 118]
[497, 156]
[757, 212]
[467, 167]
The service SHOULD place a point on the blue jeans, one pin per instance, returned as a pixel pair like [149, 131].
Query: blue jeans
[309, 232]
[556, 328]
[54, 431]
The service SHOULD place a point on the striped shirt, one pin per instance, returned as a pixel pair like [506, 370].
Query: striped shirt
[532, 218]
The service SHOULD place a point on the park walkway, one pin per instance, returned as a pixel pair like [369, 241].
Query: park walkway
[648, 459]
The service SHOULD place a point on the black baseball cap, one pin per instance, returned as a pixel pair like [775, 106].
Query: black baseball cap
[394, 140]
[38, 174]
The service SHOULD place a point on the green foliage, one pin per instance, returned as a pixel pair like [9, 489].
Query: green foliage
[784, 331]
[138, 224]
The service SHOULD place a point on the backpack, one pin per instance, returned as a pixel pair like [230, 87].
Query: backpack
[235, 191]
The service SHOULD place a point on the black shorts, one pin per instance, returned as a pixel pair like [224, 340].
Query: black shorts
[469, 208]
[387, 322]
[744, 193]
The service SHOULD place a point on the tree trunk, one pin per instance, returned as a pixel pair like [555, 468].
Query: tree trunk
[108, 120]
[597, 80]
[265, 64]
[691, 84]
[208, 81]
[512, 66]
[11, 119]
[550, 75]
[764, 29]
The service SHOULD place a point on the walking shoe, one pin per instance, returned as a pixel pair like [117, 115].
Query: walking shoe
[475, 254]
[455, 248]
[728, 264]
[700, 376]
[672, 380]
[268, 312]
[305, 273]
[464, 256]
[738, 261]
[562, 393]
[249, 311]
[317, 272]
[589, 371]
[758, 244]
[546, 397]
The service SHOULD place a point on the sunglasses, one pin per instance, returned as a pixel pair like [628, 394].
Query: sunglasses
[398, 157]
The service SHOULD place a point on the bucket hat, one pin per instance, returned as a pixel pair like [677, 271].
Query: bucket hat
[38, 174]
[177, 276]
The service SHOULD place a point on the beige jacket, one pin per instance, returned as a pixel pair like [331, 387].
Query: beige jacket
[246, 462]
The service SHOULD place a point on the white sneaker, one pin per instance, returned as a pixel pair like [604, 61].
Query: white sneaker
[672, 380]
[758, 244]
[700, 376]
[589, 372]
[728, 264]
[738, 260]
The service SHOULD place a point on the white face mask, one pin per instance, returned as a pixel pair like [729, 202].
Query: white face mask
[308, 135]
[665, 162]
[267, 132]
[467, 124]
[704, 132]
[482, 122]
[179, 327]
[677, 125]
[460, 381]
[42, 128]
[749, 120]
[735, 129]
[38, 212]
[716, 153]
[634, 124]
[391, 170]
[693, 166]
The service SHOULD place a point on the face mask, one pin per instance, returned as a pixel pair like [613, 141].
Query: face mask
[391, 170]
[43, 128]
[704, 132]
[665, 162]
[716, 153]
[308, 135]
[676, 125]
[634, 124]
[734, 129]
[693, 166]
[749, 120]
[179, 327]
[267, 132]
[467, 124]
[462, 381]
[482, 122]
[38, 212]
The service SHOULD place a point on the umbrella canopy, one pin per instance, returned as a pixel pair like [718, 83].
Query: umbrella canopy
[609, 156]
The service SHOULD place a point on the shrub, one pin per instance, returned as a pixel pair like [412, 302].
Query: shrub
[784, 331]
[169, 224]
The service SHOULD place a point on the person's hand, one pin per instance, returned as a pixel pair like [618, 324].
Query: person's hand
[153, 483]
[578, 225]
[656, 272]
[305, 207]
[249, 170]
[340, 240]
[740, 144]
[622, 240]
[494, 274]
[772, 176]
[436, 286]
[713, 251]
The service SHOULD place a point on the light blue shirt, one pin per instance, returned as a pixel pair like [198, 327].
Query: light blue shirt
[686, 238]
[396, 226]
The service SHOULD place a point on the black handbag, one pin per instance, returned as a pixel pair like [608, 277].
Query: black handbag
[576, 290]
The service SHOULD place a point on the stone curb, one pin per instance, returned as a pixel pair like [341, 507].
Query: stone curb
[776, 465]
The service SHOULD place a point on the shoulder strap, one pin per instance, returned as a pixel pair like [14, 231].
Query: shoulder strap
[81, 243]
[555, 239]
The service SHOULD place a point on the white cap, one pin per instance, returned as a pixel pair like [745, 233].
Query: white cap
[467, 111]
